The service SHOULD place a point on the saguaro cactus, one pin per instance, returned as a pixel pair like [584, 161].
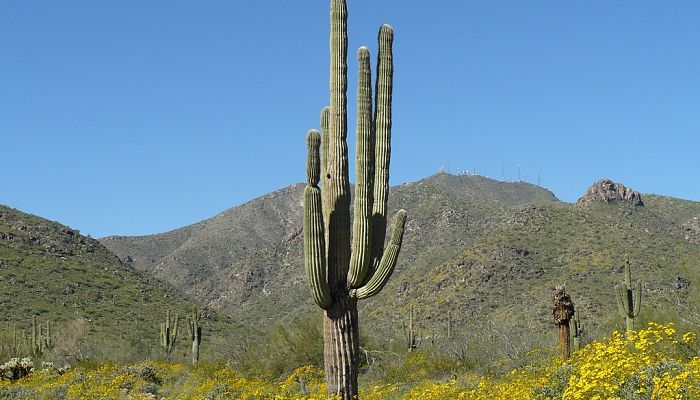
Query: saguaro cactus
[410, 332]
[195, 334]
[168, 334]
[341, 270]
[41, 339]
[578, 331]
[563, 311]
[628, 301]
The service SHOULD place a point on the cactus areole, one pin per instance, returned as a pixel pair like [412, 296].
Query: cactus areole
[346, 263]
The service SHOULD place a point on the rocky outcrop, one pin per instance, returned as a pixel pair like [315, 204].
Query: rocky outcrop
[608, 191]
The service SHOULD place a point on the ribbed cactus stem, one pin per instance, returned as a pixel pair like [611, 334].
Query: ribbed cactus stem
[314, 236]
[388, 261]
[364, 166]
[382, 126]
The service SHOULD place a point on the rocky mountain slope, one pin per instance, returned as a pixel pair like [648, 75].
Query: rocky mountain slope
[489, 252]
[247, 260]
[52, 271]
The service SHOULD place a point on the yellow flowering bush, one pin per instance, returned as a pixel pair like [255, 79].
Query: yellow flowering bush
[654, 363]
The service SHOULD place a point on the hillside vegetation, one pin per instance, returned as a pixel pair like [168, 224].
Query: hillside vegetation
[110, 310]
[487, 252]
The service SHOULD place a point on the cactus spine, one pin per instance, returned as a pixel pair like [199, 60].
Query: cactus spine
[578, 331]
[168, 334]
[628, 300]
[341, 270]
[563, 311]
[195, 334]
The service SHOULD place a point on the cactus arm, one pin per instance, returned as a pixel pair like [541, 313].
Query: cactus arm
[637, 300]
[364, 167]
[314, 241]
[388, 262]
[338, 199]
[382, 151]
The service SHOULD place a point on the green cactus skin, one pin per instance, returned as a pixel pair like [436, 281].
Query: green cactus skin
[346, 263]
[628, 300]
[578, 331]
[168, 334]
[195, 334]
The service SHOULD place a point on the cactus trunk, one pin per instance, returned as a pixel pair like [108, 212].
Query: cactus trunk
[341, 347]
[564, 340]
[346, 263]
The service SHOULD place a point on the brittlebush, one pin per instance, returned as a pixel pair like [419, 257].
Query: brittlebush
[654, 363]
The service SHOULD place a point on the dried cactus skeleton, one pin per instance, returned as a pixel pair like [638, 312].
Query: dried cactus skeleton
[341, 268]
[563, 312]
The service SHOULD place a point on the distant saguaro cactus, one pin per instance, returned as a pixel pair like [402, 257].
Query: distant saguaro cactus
[628, 301]
[168, 334]
[563, 311]
[341, 270]
[41, 339]
[195, 334]
[578, 330]
[410, 332]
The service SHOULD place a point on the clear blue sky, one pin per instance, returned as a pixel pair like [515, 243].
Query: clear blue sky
[133, 117]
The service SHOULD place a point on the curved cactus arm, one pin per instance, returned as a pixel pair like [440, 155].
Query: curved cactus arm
[637, 300]
[314, 241]
[621, 297]
[364, 167]
[386, 265]
[382, 150]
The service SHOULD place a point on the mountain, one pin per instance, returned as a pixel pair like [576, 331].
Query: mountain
[247, 261]
[488, 252]
[53, 272]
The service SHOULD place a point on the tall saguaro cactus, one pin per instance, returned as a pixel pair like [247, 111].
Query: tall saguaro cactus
[628, 301]
[195, 334]
[346, 263]
[168, 334]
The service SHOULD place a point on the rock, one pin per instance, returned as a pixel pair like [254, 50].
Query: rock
[693, 225]
[681, 283]
[608, 191]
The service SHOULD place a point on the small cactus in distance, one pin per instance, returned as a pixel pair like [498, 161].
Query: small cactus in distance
[578, 330]
[410, 332]
[628, 300]
[41, 339]
[168, 334]
[195, 334]
[449, 325]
